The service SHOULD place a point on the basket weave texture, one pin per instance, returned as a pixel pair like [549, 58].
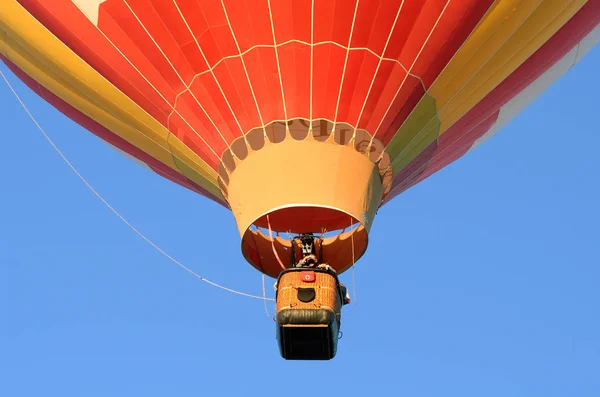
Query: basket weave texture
[326, 292]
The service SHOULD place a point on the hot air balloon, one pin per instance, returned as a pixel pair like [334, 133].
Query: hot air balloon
[298, 115]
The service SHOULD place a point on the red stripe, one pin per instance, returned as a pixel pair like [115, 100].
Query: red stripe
[148, 38]
[292, 20]
[295, 74]
[360, 70]
[333, 20]
[261, 64]
[328, 64]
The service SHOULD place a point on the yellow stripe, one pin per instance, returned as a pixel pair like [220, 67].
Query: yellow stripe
[191, 169]
[507, 36]
[37, 52]
[31, 67]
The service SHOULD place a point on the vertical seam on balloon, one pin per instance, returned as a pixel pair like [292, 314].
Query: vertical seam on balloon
[245, 72]
[377, 69]
[169, 149]
[173, 110]
[461, 46]
[409, 70]
[211, 71]
[312, 50]
[278, 64]
[337, 105]
[467, 82]
[178, 75]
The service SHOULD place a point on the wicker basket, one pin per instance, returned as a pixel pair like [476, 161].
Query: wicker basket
[325, 285]
[308, 315]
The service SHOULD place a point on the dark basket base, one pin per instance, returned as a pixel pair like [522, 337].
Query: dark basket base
[302, 339]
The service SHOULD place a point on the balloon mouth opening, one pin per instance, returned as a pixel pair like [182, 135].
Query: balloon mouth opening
[268, 243]
[305, 219]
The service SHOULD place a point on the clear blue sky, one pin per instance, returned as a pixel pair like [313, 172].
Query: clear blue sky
[481, 281]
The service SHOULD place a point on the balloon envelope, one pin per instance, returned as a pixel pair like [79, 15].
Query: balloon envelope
[297, 114]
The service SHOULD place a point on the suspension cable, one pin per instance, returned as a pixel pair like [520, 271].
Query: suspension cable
[273, 245]
[114, 211]
[353, 268]
[264, 296]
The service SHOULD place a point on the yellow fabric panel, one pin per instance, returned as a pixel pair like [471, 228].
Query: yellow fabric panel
[60, 88]
[509, 34]
[189, 165]
[417, 132]
[37, 52]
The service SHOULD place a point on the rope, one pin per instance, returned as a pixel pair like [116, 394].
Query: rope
[273, 244]
[114, 211]
[264, 296]
[353, 268]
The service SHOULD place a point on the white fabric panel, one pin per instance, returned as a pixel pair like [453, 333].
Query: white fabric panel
[130, 157]
[529, 94]
[89, 8]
